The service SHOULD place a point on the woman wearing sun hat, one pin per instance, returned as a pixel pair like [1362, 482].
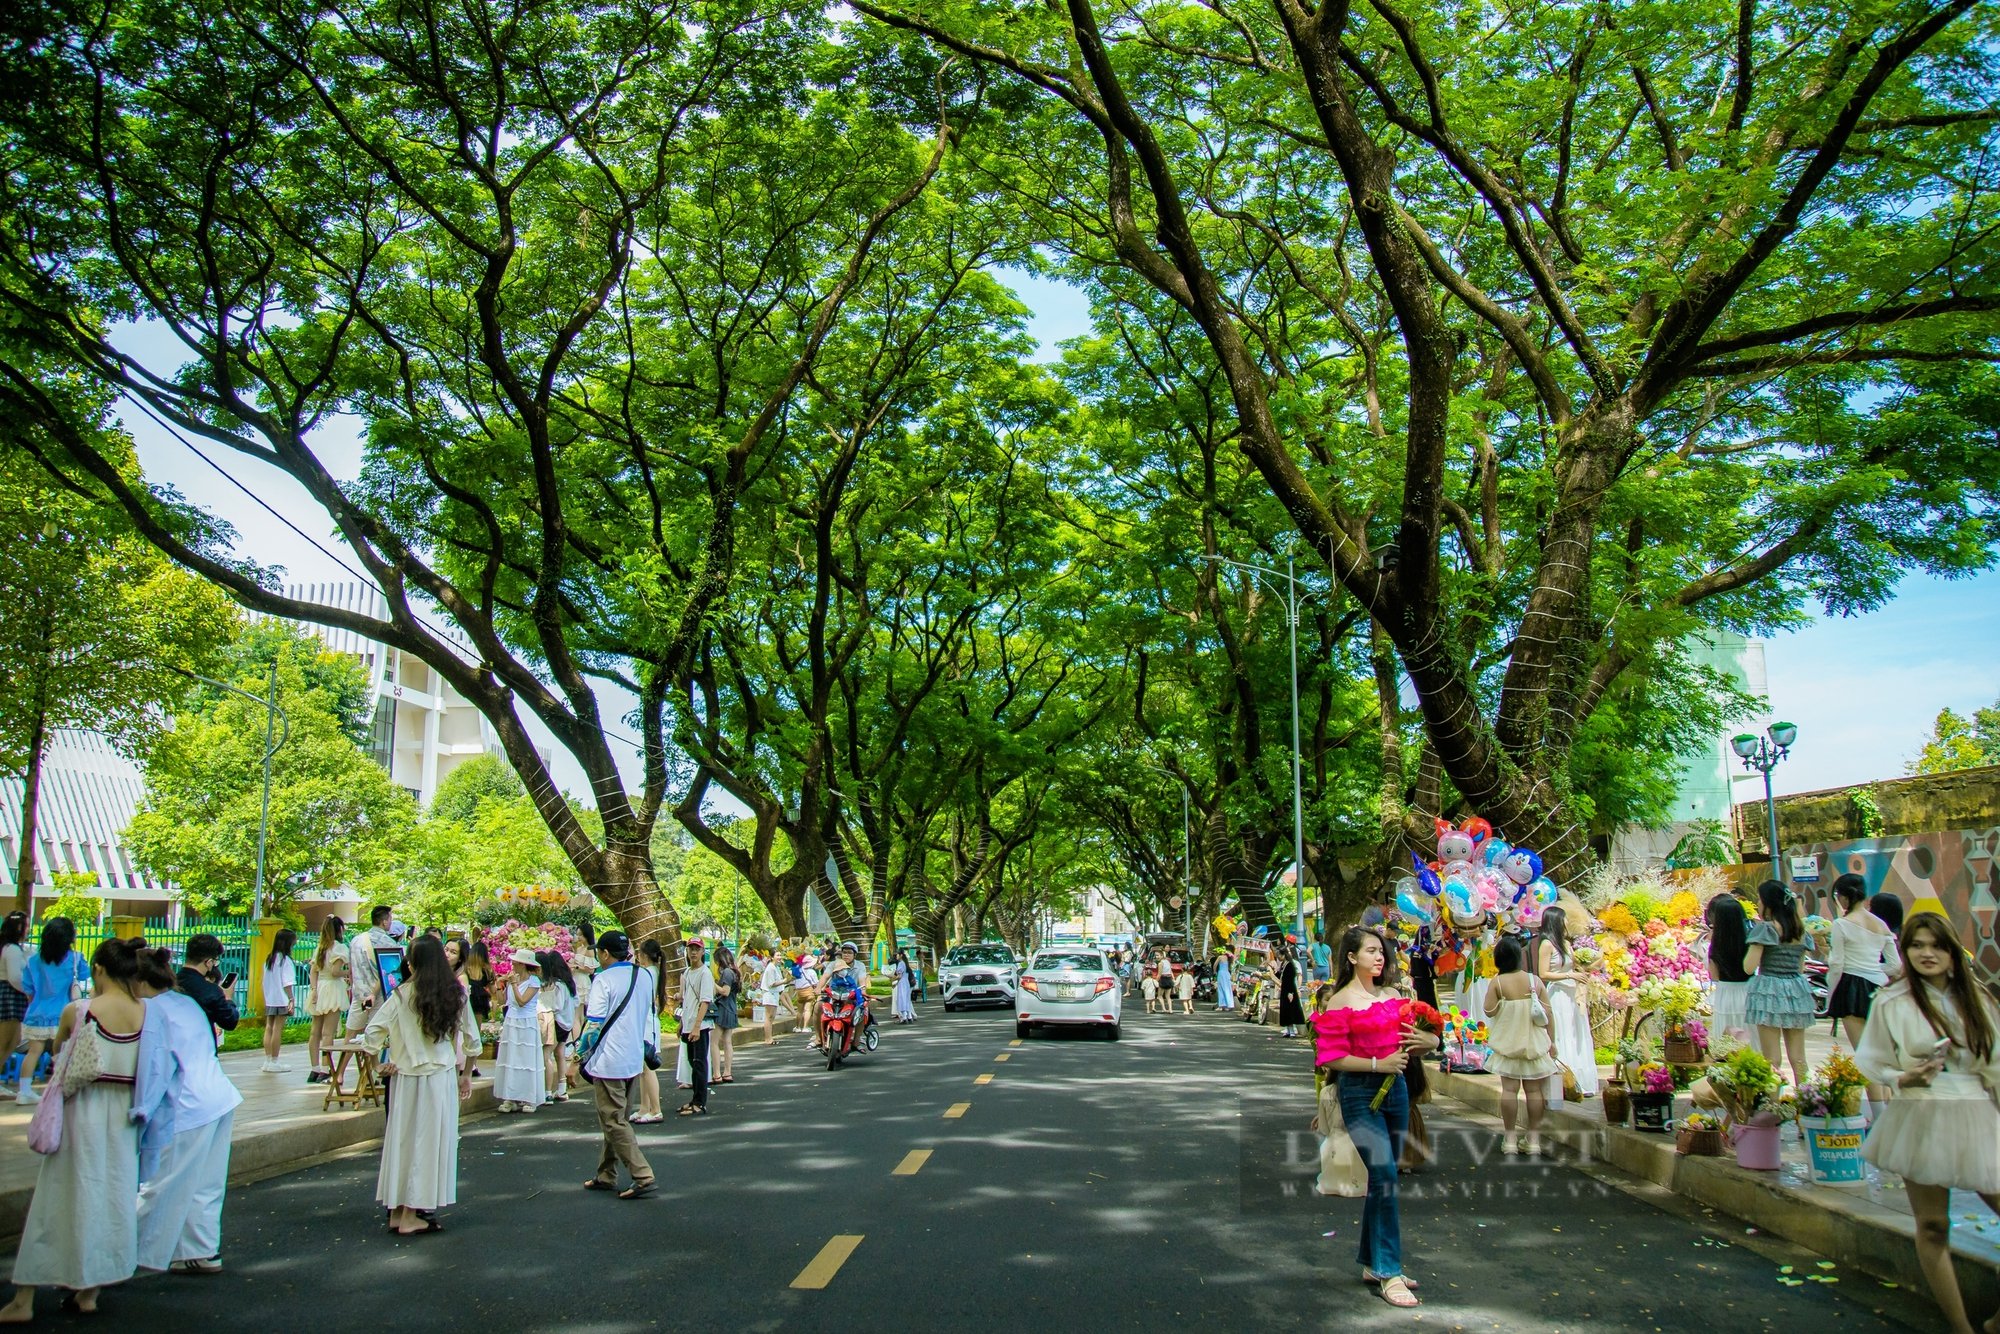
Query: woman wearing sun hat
[518, 1081]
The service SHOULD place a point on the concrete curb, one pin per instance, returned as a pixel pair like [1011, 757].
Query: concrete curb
[1846, 1226]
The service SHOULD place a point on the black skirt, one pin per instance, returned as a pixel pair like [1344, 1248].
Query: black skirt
[1851, 998]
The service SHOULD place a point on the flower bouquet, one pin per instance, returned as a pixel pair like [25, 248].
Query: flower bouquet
[1834, 1089]
[1700, 1135]
[1748, 1087]
[513, 935]
[1653, 1098]
[1424, 1018]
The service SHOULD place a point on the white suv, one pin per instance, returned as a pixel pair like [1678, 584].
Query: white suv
[978, 975]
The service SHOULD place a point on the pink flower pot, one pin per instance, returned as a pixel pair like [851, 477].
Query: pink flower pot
[1757, 1145]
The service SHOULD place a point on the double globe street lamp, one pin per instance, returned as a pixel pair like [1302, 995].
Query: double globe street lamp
[1762, 753]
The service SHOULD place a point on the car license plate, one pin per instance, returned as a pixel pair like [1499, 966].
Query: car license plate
[1068, 992]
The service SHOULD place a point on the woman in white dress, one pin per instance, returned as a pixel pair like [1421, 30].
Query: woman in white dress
[517, 1082]
[901, 1007]
[326, 998]
[1935, 1035]
[82, 1231]
[1568, 1016]
[428, 1027]
[771, 994]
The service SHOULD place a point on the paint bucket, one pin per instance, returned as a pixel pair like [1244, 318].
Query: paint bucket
[1833, 1147]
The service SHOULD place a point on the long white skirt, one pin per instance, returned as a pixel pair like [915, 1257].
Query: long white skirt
[519, 1077]
[420, 1143]
[180, 1210]
[900, 1005]
[82, 1230]
[1572, 1033]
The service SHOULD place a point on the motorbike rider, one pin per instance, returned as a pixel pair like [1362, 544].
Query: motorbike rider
[848, 973]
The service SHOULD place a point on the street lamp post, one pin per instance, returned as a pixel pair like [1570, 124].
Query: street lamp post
[1291, 598]
[274, 718]
[1762, 753]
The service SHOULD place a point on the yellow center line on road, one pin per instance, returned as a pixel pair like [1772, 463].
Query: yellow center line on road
[827, 1263]
[1014, 1042]
[984, 1079]
[1001, 1057]
[956, 1110]
[912, 1161]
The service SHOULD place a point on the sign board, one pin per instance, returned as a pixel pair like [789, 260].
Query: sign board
[1805, 870]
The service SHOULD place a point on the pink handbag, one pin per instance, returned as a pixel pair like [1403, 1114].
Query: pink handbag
[45, 1130]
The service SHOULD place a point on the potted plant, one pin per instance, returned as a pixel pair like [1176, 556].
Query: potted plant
[1700, 1135]
[1653, 1099]
[1618, 1089]
[1829, 1106]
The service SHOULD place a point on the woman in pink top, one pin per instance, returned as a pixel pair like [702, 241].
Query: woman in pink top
[1362, 1040]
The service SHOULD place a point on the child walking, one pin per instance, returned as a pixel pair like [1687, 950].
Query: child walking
[557, 1019]
[518, 1083]
[1523, 1044]
[279, 979]
[1184, 988]
[1150, 985]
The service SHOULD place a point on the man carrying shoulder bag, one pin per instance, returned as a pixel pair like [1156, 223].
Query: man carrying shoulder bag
[610, 1052]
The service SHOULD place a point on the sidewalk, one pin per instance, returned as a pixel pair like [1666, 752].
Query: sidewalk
[279, 1127]
[1867, 1229]
[280, 1124]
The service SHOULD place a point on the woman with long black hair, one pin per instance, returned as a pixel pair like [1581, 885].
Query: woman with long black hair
[1363, 1041]
[1291, 1014]
[1568, 1018]
[13, 999]
[1779, 1000]
[428, 1026]
[1728, 983]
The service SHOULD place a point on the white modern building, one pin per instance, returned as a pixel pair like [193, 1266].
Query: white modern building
[423, 729]
[1708, 783]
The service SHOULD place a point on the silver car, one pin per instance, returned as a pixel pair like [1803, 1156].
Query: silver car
[978, 975]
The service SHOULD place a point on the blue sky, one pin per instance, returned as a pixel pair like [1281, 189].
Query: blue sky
[1862, 690]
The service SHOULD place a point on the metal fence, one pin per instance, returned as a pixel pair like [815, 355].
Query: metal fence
[238, 941]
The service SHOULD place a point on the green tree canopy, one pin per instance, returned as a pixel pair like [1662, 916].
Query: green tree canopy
[336, 819]
[98, 632]
[1956, 742]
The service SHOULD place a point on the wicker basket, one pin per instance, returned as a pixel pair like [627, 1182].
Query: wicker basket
[1698, 1143]
[1617, 1103]
[1682, 1051]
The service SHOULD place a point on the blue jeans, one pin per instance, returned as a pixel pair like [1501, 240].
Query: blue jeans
[1378, 1137]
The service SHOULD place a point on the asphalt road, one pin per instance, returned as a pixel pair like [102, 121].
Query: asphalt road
[1148, 1184]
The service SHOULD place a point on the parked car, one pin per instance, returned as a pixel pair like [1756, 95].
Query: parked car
[978, 975]
[1068, 986]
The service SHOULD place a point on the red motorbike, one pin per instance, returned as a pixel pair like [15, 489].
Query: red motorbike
[848, 1025]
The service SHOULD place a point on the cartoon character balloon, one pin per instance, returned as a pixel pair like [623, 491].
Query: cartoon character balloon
[1454, 844]
[1521, 866]
[1544, 891]
[1427, 879]
[1412, 902]
[1528, 913]
[1494, 850]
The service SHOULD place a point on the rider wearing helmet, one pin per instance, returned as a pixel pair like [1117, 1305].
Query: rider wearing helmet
[846, 975]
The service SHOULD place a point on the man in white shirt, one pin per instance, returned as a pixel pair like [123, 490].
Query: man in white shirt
[621, 1008]
[697, 1004]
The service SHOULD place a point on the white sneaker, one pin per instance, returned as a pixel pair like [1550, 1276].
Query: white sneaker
[212, 1265]
[280, 1068]
[27, 1096]
[269, 1067]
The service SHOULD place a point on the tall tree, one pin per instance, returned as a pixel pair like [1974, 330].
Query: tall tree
[574, 271]
[100, 632]
[1957, 742]
[1560, 334]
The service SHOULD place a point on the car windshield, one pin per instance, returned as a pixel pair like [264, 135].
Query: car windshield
[1049, 963]
[994, 954]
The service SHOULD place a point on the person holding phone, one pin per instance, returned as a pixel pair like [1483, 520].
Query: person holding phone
[198, 979]
[1935, 1036]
